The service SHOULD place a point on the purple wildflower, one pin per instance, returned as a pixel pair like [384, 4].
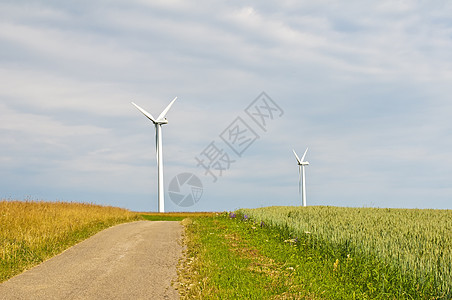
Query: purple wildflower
[231, 215]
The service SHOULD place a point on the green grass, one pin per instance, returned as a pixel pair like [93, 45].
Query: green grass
[233, 258]
[162, 218]
[229, 259]
[174, 216]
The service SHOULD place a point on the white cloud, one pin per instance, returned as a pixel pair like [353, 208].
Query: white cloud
[364, 85]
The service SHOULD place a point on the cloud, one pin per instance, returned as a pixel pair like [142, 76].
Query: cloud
[364, 85]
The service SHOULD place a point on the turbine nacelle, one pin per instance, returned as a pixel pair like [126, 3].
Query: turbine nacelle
[164, 121]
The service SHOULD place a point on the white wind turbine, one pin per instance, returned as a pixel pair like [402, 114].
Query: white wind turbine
[158, 147]
[301, 165]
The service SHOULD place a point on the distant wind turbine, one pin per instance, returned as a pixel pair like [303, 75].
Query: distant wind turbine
[301, 165]
[158, 148]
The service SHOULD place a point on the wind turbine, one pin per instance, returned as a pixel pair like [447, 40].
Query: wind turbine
[158, 148]
[301, 165]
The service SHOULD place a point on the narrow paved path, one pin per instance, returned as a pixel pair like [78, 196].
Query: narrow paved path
[128, 261]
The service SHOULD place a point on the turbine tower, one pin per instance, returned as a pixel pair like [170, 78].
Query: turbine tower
[158, 148]
[301, 165]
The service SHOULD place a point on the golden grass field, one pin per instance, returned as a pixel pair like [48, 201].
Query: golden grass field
[33, 231]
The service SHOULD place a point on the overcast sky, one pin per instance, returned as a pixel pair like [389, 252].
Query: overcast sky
[366, 85]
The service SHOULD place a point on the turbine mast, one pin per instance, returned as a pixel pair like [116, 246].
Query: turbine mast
[304, 187]
[161, 193]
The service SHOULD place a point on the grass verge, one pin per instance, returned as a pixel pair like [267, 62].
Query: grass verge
[226, 259]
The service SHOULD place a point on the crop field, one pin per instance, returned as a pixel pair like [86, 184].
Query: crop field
[31, 232]
[406, 253]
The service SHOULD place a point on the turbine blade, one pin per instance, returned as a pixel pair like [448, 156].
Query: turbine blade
[148, 115]
[296, 156]
[302, 159]
[165, 111]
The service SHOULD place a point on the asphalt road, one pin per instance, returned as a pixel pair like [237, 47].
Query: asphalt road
[128, 261]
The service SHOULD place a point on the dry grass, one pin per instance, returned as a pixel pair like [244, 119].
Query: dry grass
[31, 232]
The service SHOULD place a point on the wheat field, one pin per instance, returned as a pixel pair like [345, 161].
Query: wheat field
[416, 242]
